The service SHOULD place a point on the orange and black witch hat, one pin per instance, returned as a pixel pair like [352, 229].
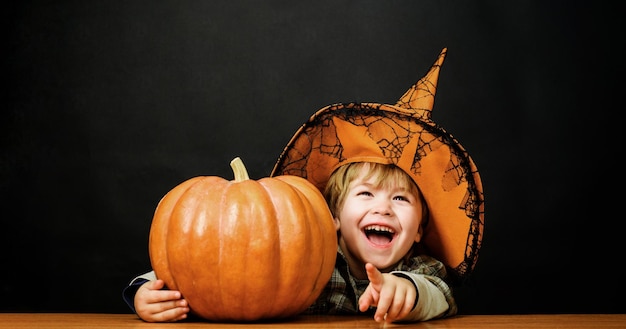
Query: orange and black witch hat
[405, 135]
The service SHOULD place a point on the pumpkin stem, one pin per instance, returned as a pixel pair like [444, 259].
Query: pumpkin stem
[241, 174]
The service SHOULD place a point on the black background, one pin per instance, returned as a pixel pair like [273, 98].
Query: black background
[110, 104]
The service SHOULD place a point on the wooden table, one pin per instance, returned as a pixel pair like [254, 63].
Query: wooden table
[121, 321]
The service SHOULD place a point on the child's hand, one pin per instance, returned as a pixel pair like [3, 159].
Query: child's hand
[155, 305]
[393, 297]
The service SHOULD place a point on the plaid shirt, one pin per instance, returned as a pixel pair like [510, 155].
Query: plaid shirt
[342, 292]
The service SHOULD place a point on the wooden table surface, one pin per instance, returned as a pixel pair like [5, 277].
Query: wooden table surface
[121, 321]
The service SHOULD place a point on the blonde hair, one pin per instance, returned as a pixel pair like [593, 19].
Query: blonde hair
[384, 175]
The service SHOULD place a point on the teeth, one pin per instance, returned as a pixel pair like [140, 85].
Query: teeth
[379, 228]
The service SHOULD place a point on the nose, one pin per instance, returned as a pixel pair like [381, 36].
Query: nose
[382, 207]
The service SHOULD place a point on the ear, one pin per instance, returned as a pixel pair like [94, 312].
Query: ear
[337, 223]
[420, 231]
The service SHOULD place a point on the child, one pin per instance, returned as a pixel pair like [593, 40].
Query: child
[380, 214]
[408, 206]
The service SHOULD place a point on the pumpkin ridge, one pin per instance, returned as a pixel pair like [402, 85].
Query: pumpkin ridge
[210, 259]
[229, 223]
[289, 204]
[315, 290]
[159, 231]
[184, 271]
[322, 216]
[316, 234]
[250, 201]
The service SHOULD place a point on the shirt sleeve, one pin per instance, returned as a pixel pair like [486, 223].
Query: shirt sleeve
[149, 276]
[128, 294]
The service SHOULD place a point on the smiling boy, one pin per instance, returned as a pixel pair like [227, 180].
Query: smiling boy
[380, 213]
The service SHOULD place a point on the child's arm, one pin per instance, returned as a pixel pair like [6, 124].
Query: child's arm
[402, 296]
[393, 296]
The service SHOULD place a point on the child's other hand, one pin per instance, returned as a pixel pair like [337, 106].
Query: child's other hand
[155, 305]
[393, 297]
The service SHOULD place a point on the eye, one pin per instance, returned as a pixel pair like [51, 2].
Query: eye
[364, 193]
[401, 198]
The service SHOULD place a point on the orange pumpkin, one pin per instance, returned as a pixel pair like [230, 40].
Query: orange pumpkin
[244, 250]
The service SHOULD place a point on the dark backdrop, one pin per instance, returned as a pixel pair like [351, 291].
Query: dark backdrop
[109, 104]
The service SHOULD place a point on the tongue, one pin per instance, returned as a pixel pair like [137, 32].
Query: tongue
[379, 239]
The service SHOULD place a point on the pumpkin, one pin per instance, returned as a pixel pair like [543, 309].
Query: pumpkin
[244, 250]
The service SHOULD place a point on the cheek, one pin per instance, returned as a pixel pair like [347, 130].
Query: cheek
[351, 211]
[420, 231]
[346, 217]
[411, 222]
[348, 220]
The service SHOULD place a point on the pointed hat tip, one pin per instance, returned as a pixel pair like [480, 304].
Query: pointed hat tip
[421, 96]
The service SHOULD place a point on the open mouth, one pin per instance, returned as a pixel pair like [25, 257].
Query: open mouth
[379, 235]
